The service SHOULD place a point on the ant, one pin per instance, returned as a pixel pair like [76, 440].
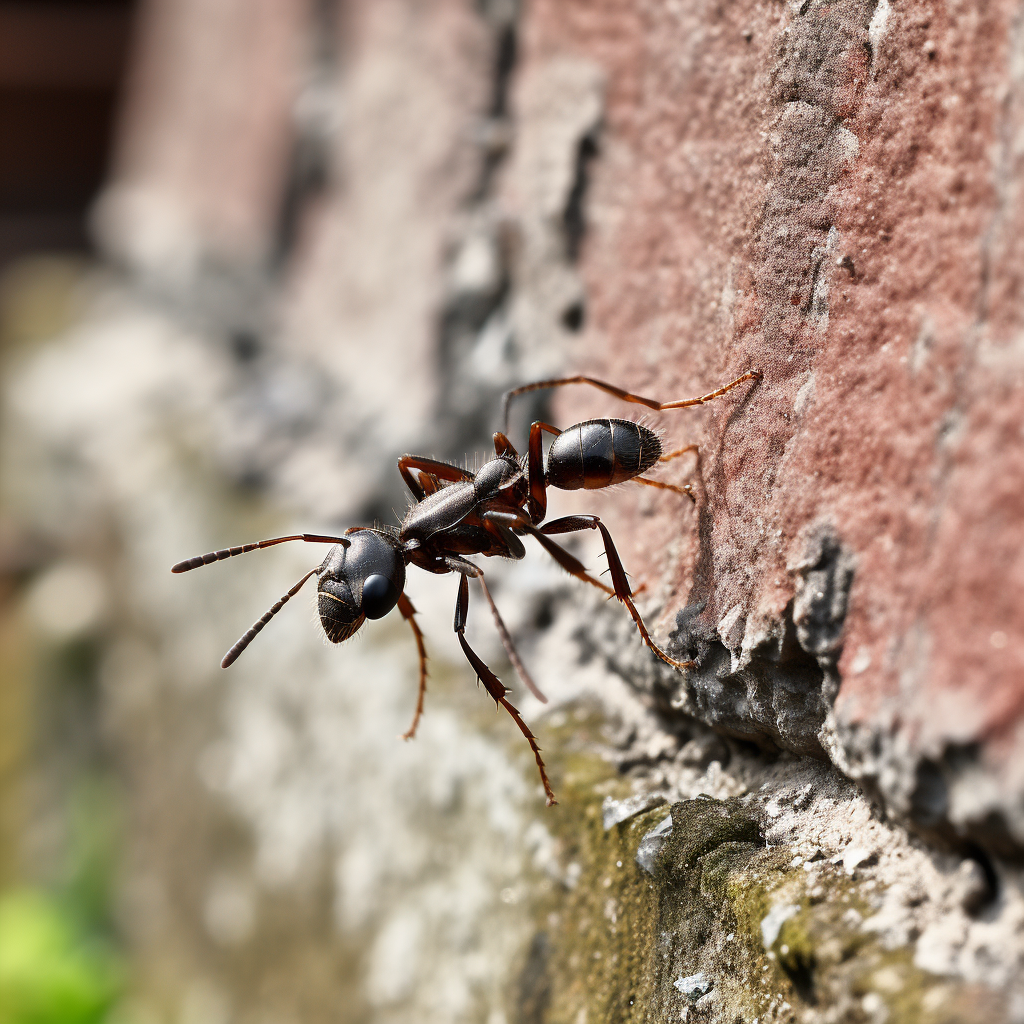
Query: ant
[458, 513]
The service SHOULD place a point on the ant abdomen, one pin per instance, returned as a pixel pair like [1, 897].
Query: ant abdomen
[599, 453]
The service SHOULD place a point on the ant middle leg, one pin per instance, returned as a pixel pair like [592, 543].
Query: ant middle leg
[492, 683]
[574, 524]
[459, 564]
[557, 552]
[431, 467]
[506, 642]
[538, 501]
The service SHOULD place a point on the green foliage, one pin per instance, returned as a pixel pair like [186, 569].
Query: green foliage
[50, 972]
[57, 965]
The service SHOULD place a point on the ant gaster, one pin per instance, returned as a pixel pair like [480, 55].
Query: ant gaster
[458, 513]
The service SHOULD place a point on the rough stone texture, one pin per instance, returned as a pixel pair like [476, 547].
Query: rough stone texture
[424, 204]
[829, 193]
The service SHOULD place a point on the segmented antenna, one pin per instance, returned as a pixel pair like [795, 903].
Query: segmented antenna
[250, 634]
[241, 549]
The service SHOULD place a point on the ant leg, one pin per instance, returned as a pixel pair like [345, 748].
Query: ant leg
[573, 524]
[626, 396]
[503, 446]
[681, 451]
[250, 634]
[241, 549]
[678, 488]
[405, 606]
[685, 403]
[441, 470]
[506, 642]
[492, 683]
[556, 551]
[535, 469]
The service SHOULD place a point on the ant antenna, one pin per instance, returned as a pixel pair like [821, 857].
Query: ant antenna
[216, 556]
[250, 634]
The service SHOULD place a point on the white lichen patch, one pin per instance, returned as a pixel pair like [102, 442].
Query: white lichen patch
[879, 24]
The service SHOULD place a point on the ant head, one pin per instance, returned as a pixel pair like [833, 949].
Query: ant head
[361, 581]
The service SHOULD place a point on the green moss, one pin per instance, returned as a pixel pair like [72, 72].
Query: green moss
[720, 864]
[701, 826]
[592, 948]
[612, 940]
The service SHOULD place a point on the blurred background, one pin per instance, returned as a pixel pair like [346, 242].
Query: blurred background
[62, 76]
[251, 251]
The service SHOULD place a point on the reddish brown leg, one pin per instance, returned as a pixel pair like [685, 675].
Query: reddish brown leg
[626, 396]
[441, 470]
[506, 642]
[573, 524]
[409, 614]
[678, 488]
[429, 484]
[680, 451]
[503, 446]
[492, 683]
[558, 553]
[535, 469]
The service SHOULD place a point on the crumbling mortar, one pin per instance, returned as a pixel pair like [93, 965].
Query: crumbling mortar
[738, 917]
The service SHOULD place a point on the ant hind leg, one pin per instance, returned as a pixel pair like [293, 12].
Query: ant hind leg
[686, 489]
[625, 396]
[681, 451]
[677, 488]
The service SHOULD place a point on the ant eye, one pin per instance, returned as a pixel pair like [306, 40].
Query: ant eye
[380, 595]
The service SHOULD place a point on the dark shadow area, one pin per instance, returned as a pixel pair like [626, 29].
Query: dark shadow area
[62, 64]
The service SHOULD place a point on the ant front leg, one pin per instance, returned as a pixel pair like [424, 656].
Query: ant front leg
[573, 524]
[405, 606]
[492, 683]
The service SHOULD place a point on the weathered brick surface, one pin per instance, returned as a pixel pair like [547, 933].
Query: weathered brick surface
[827, 192]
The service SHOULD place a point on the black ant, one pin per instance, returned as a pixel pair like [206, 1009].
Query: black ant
[459, 513]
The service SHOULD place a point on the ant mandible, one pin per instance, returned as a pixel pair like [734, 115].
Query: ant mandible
[458, 513]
